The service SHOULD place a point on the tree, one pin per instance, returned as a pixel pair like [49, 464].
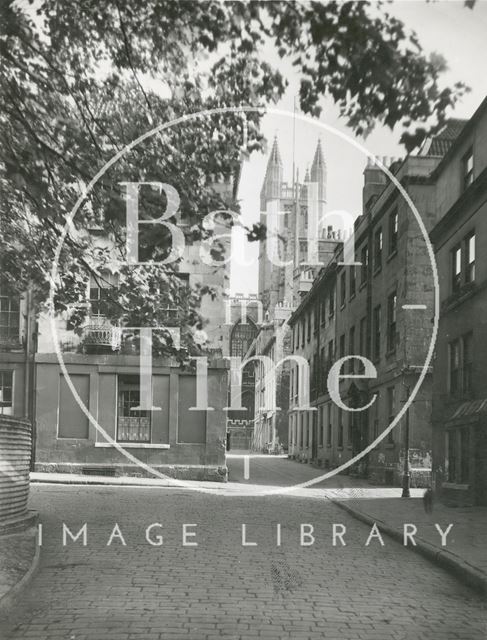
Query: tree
[78, 81]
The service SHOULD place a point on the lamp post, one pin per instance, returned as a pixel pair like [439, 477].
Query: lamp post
[406, 477]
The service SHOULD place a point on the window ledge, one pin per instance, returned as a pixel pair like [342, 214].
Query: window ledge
[456, 297]
[133, 445]
[454, 485]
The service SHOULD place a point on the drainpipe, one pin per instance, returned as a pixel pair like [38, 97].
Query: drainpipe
[27, 385]
[29, 370]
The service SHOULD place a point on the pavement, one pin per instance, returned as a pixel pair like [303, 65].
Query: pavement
[19, 556]
[465, 550]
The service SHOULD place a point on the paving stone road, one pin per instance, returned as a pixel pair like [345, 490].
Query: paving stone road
[220, 589]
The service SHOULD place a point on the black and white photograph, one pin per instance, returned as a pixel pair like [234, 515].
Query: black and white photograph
[243, 320]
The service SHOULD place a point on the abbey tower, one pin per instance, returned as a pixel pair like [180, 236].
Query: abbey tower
[292, 215]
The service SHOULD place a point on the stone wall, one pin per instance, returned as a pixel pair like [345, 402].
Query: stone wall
[15, 452]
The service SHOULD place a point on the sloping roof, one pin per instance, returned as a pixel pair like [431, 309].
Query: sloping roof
[439, 144]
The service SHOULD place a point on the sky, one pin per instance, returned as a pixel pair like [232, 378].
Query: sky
[446, 27]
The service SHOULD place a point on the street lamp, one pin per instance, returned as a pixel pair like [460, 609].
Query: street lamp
[406, 477]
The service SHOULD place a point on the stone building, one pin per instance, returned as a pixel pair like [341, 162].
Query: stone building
[272, 389]
[298, 242]
[382, 310]
[103, 428]
[17, 348]
[297, 231]
[389, 320]
[245, 316]
[460, 369]
[313, 338]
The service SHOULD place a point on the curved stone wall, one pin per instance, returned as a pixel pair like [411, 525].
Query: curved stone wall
[15, 452]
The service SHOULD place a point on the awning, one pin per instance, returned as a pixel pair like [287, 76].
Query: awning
[469, 409]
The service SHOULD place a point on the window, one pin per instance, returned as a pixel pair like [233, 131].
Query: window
[6, 385]
[296, 384]
[303, 332]
[343, 289]
[463, 262]
[393, 231]
[363, 338]
[456, 267]
[340, 428]
[323, 311]
[364, 259]
[352, 281]
[309, 325]
[375, 424]
[391, 411]
[321, 422]
[317, 317]
[376, 428]
[9, 316]
[134, 424]
[391, 322]
[468, 168]
[362, 345]
[376, 347]
[330, 353]
[378, 249]
[100, 294]
[241, 337]
[454, 367]
[328, 433]
[315, 372]
[341, 351]
[350, 430]
[323, 367]
[467, 362]
[351, 349]
[331, 302]
[470, 257]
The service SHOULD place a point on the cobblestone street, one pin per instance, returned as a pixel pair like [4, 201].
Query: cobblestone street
[221, 589]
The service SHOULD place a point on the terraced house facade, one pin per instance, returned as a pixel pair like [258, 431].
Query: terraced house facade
[460, 373]
[382, 309]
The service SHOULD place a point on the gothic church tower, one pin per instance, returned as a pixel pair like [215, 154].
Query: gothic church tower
[301, 207]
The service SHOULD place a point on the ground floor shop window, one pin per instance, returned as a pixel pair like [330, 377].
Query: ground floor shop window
[134, 424]
[458, 455]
